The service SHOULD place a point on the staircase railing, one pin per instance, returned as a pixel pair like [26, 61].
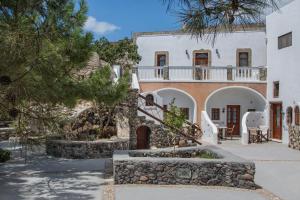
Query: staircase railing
[191, 131]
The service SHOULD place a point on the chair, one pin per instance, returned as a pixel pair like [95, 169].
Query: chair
[264, 131]
[253, 135]
[230, 131]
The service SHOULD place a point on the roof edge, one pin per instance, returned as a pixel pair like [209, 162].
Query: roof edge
[237, 28]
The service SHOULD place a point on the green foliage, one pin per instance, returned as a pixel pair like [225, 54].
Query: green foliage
[101, 88]
[174, 119]
[42, 42]
[42, 48]
[208, 16]
[4, 155]
[123, 52]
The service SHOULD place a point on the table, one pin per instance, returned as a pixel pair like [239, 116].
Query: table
[222, 130]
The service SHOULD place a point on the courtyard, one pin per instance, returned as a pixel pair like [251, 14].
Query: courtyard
[45, 177]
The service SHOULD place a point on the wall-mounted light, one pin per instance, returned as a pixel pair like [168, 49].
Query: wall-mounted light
[187, 53]
[218, 53]
[223, 110]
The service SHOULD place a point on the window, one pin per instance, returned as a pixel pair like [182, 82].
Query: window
[161, 58]
[243, 59]
[185, 112]
[285, 40]
[201, 59]
[215, 114]
[149, 100]
[289, 115]
[297, 116]
[276, 89]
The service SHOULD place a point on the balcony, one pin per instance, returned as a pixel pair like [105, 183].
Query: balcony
[201, 74]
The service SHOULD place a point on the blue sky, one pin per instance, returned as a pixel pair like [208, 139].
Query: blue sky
[116, 19]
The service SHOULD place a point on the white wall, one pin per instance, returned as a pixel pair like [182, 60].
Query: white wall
[177, 44]
[234, 96]
[181, 101]
[284, 63]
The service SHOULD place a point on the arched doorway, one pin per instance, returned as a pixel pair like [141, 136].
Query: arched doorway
[183, 100]
[143, 137]
[227, 106]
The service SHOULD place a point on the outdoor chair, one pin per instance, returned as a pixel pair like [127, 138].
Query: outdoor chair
[264, 133]
[253, 135]
[230, 132]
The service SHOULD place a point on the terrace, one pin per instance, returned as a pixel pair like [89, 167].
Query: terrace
[201, 74]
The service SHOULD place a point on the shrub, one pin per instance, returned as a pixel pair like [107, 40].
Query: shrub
[4, 155]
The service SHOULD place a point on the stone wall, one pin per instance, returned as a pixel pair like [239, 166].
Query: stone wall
[5, 133]
[85, 149]
[159, 136]
[294, 137]
[230, 171]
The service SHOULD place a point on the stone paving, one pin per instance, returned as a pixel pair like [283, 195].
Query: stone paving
[277, 166]
[51, 178]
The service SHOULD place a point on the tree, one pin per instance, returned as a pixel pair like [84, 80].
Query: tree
[175, 120]
[204, 17]
[123, 52]
[42, 46]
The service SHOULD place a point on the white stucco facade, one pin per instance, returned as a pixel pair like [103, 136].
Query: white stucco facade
[180, 47]
[244, 97]
[283, 63]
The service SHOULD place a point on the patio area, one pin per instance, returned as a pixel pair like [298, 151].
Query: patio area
[277, 171]
[277, 166]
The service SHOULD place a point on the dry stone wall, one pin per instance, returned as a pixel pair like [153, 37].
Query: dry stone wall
[228, 171]
[294, 137]
[85, 149]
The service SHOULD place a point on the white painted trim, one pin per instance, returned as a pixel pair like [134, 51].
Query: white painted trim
[245, 134]
[234, 87]
[187, 94]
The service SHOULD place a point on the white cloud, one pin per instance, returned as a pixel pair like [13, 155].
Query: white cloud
[99, 27]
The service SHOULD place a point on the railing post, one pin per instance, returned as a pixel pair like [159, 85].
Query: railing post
[166, 72]
[229, 73]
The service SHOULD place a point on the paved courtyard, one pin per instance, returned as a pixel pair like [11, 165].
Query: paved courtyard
[51, 178]
[277, 167]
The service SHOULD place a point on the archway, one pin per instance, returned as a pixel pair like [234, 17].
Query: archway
[143, 137]
[227, 105]
[183, 100]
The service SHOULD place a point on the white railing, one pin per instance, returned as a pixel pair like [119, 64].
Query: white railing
[209, 129]
[214, 74]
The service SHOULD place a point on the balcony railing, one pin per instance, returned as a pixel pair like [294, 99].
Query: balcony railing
[206, 74]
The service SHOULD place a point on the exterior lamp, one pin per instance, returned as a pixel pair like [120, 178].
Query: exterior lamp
[223, 110]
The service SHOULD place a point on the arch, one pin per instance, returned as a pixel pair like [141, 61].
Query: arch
[289, 115]
[194, 114]
[234, 102]
[233, 87]
[297, 116]
[143, 137]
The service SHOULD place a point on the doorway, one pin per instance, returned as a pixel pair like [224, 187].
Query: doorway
[143, 137]
[233, 118]
[276, 112]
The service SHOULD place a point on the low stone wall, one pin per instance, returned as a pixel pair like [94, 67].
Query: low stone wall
[294, 137]
[227, 170]
[85, 149]
[5, 133]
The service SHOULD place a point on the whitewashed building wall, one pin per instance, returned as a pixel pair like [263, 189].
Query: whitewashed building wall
[284, 65]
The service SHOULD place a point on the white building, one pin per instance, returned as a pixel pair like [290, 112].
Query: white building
[213, 84]
[283, 51]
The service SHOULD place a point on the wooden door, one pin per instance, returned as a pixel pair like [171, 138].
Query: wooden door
[143, 137]
[276, 109]
[233, 118]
